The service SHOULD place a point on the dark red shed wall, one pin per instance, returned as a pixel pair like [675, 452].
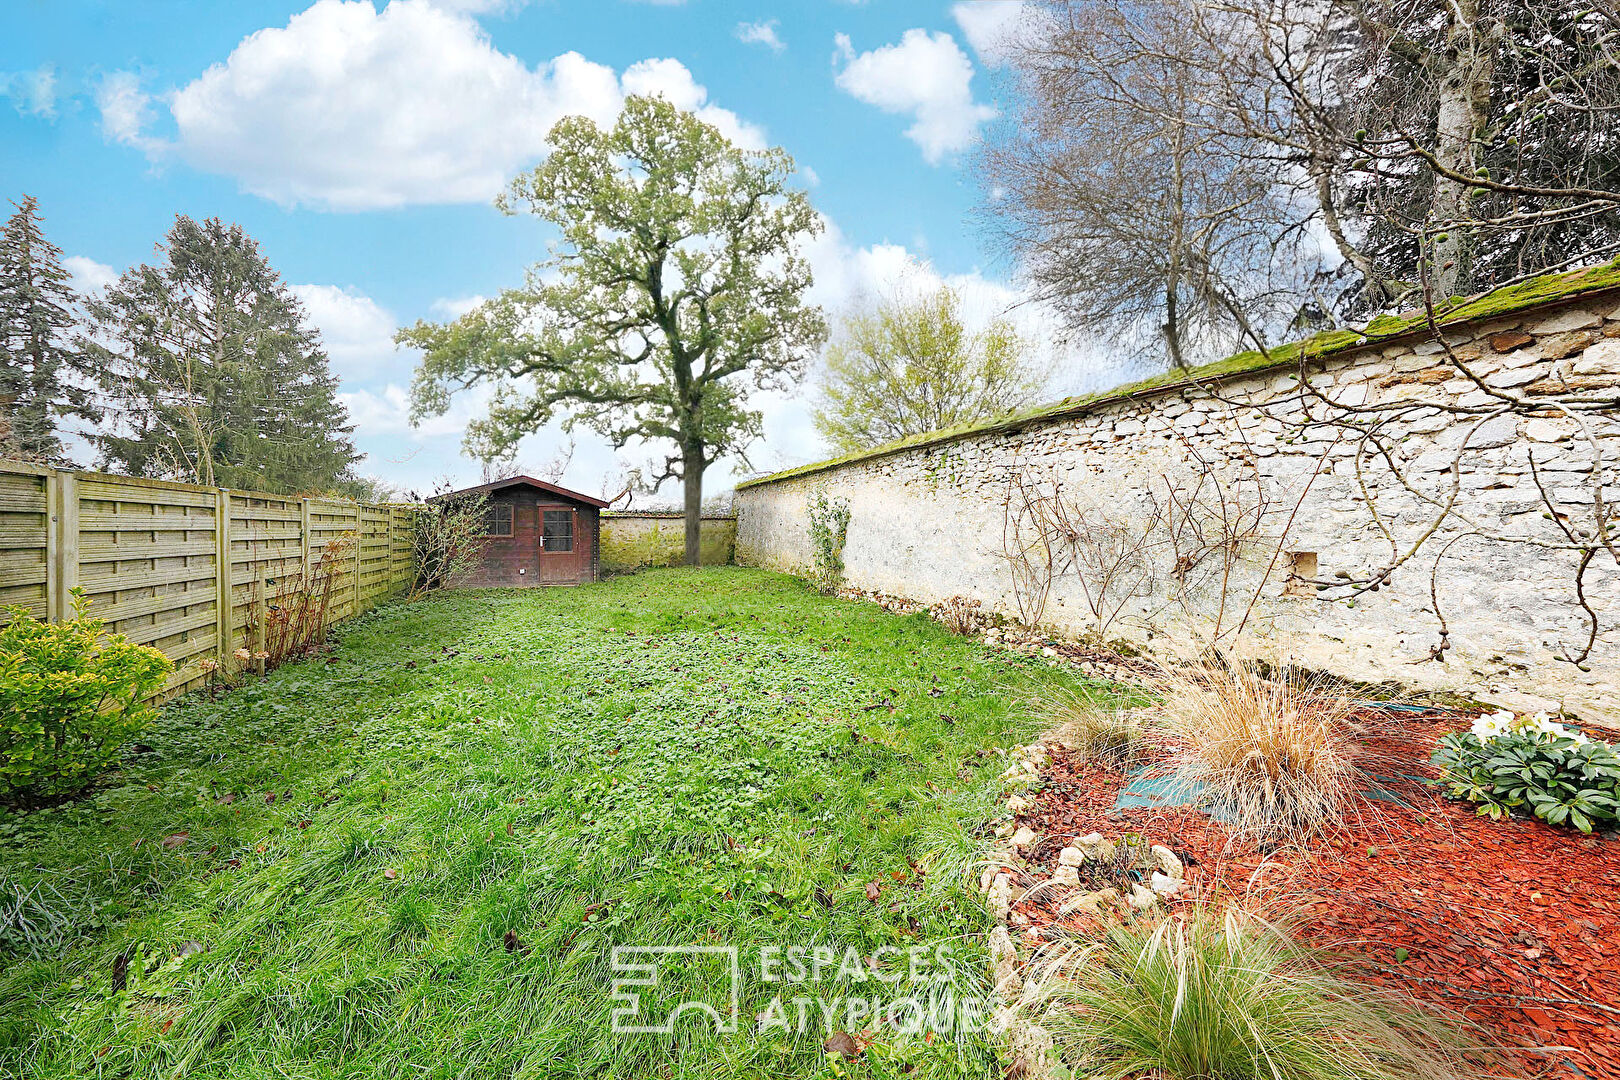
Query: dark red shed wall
[519, 560]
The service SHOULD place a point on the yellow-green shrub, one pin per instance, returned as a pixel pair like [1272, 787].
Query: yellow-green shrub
[70, 696]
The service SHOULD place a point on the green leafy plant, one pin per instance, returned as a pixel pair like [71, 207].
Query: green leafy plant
[829, 529]
[1562, 779]
[1228, 994]
[70, 696]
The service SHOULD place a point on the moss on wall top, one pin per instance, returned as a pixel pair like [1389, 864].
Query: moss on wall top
[1536, 292]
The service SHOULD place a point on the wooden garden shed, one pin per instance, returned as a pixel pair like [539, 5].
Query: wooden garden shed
[536, 534]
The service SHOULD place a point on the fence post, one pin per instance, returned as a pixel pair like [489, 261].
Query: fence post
[65, 510]
[53, 589]
[304, 540]
[359, 543]
[223, 596]
[392, 570]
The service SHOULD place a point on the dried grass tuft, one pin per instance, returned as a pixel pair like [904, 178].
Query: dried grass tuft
[1097, 732]
[1273, 752]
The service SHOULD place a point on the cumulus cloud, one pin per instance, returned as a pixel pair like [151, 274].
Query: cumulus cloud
[351, 108]
[928, 76]
[670, 80]
[760, 33]
[32, 93]
[454, 307]
[988, 26]
[357, 331]
[88, 276]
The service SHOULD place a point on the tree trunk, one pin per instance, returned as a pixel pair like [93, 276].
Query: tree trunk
[1465, 81]
[692, 475]
[1172, 329]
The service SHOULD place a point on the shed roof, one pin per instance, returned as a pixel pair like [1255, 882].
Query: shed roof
[524, 481]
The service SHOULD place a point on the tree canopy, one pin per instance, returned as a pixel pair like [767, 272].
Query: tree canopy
[1210, 170]
[675, 287]
[44, 374]
[212, 374]
[908, 366]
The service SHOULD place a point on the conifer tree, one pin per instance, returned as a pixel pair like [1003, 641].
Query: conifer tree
[44, 374]
[212, 372]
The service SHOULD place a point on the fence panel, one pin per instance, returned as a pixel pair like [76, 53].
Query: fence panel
[334, 529]
[27, 548]
[183, 568]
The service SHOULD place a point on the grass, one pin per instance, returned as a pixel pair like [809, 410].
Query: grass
[1106, 733]
[1228, 995]
[1272, 752]
[413, 857]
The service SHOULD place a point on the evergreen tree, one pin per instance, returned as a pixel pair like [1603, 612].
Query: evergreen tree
[44, 375]
[212, 372]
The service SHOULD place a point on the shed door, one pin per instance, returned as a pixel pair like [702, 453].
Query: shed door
[559, 546]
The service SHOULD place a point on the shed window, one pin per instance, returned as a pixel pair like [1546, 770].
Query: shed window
[498, 520]
[558, 530]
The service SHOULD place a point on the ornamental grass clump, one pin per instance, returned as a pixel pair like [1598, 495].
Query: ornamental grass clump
[70, 697]
[1229, 995]
[1104, 734]
[1270, 754]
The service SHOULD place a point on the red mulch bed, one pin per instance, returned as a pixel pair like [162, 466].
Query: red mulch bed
[1514, 924]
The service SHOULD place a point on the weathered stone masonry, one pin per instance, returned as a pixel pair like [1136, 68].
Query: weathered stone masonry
[927, 519]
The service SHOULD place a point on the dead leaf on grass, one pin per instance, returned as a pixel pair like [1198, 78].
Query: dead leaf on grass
[843, 1044]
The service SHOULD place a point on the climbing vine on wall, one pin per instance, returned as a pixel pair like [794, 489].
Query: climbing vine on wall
[829, 528]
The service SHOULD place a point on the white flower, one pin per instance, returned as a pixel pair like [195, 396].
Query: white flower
[1492, 725]
[1502, 722]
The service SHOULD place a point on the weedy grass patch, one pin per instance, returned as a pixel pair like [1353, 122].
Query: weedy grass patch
[414, 855]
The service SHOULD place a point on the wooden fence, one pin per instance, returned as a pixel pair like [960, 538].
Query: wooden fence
[148, 554]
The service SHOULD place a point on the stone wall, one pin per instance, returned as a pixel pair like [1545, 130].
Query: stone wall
[931, 520]
[633, 540]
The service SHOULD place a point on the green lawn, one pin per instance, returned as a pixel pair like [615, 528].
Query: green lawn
[412, 857]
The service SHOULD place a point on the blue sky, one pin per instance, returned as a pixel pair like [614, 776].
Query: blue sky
[361, 142]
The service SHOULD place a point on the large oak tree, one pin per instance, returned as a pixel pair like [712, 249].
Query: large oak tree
[677, 284]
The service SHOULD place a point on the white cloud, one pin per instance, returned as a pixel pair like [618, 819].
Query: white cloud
[386, 410]
[347, 107]
[125, 108]
[88, 275]
[32, 93]
[925, 75]
[357, 331]
[454, 307]
[988, 25]
[670, 80]
[481, 7]
[760, 33]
